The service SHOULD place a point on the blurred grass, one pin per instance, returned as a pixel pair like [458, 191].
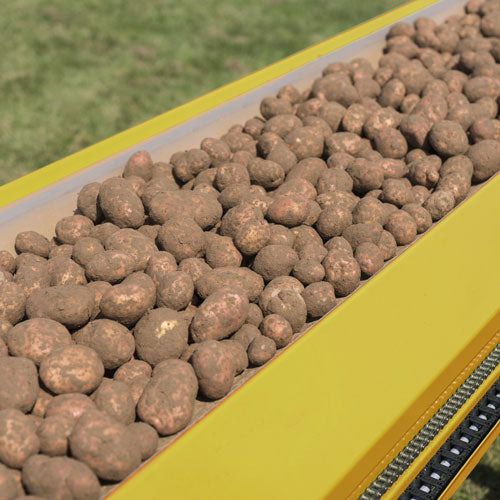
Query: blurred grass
[74, 73]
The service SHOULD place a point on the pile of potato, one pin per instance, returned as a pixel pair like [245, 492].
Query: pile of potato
[173, 279]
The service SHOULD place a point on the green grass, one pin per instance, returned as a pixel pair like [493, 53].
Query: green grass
[74, 73]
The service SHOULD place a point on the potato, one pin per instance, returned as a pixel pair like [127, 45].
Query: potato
[218, 151]
[129, 300]
[368, 209]
[102, 231]
[366, 175]
[139, 164]
[396, 191]
[110, 266]
[402, 226]
[5, 326]
[245, 335]
[187, 165]
[73, 368]
[229, 173]
[266, 173]
[274, 106]
[390, 143]
[115, 398]
[333, 220]
[105, 445]
[195, 267]
[133, 243]
[221, 252]
[167, 402]
[175, 290]
[485, 128]
[280, 235]
[12, 302]
[9, 488]
[448, 138]
[361, 233]
[53, 434]
[423, 172]
[160, 334]
[458, 183]
[252, 237]
[32, 242]
[277, 329]
[343, 142]
[87, 202]
[309, 169]
[18, 439]
[305, 142]
[137, 184]
[40, 406]
[485, 158]
[136, 374]
[254, 316]
[369, 257]
[214, 369]
[334, 179]
[182, 238]
[7, 261]
[64, 271]
[36, 338]
[236, 353]
[254, 126]
[415, 129]
[72, 228]
[288, 211]
[313, 251]
[289, 304]
[275, 260]
[71, 305]
[305, 235]
[420, 194]
[32, 277]
[19, 388]
[146, 436]
[439, 204]
[59, 477]
[421, 215]
[342, 272]
[86, 248]
[69, 405]
[319, 299]
[98, 288]
[309, 271]
[3, 348]
[261, 350]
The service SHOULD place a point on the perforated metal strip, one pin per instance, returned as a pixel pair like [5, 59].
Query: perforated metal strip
[430, 430]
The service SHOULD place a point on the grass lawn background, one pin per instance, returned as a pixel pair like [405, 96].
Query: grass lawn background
[74, 73]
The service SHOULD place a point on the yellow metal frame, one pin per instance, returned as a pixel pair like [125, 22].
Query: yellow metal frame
[328, 414]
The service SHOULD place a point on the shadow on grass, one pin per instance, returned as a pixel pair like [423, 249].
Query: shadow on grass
[486, 476]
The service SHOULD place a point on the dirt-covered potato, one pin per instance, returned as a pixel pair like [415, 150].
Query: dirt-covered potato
[231, 173]
[333, 220]
[102, 231]
[182, 237]
[368, 209]
[254, 316]
[111, 266]
[236, 353]
[396, 191]
[87, 202]
[64, 271]
[274, 106]
[73, 368]
[309, 169]
[105, 445]
[19, 388]
[175, 290]
[59, 477]
[136, 374]
[139, 164]
[485, 128]
[218, 151]
[146, 436]
[73, 405]
[261, 350]
[278, 329]
[187, 165]
[115, 398]
[424, 172]
[195, 267]
[41, 403]
[160, 334]
[71, 305]
[120, 203]
[342, 271]
[361, 233]
[53, 434]
[32, 242]
[266, 173]
[128, 301]
[159, 265]
[448, 138]
[305, 142]
[366, 175]
[18, 439]
[221, 314]
[215, 279]
[369, 257]
[167, 402]
[309, 270]
[32, 277]
[390, 143]
[288, 211]
[402, 226]
[9, 487]
[275, 260]
[12, 302]
[289, 304]
[252, 237]
[133, 243]
[319, 299]
[84, 249]
[221, 252]
[421, 216]
[439, 204]
[214, 369]
[245, 335]
[485, 158]
[72, 228]
[98, 288]
[7, 261]
[35, 338]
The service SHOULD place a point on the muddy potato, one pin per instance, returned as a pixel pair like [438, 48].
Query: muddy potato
[150, 232]
[175, 290]
[64, 271]
[250, 282]
[129, 300]
[448, 138]
[218, 151]
[396, 191]
[73, 368]
[110, 266]
[415, 129]
[182, 238]
[147, 436]
[18, 439]
[342, 272]
[221, 252]
[167, 402]
[70, 229]
[9, 487]
[423, 172]
[214, 369]
[387, 245]
[136, 374]
[71, 305]
[485, 158]
[390, 143]
[139, 164]
[87, 202]
[319, 299]
[245, 335]
[19, 388]
[266, 173]
[195, 267]
[485, 128]
[221, 314]
[368, 209]
[343, 142]
[458, 183]
[402, 226]
[4, 351]
[421, 216]
[275, 260]
[309, 271]
[159, 265]
[236, 353]
[336, 243]
[59, 477]
[366, 175]
[254, 316]
[439, 204]
[41, 403]
[303, 236]
[290, 305]
[7, 261]
[370, 258]
[238, 141]
[229, 173]
[334, 179]
[71, 405]
[32, 242]
[252, 237]
[105, 445]
[420, 194]
[274, 106]
[133, 243]
[102, 231]
[32, 277]
[98, 288]
[305, 142]
[309, 169]
[261, 350]
[188, 164]
[86, 248]
[313, 251]
[277, 285]
[161, 334]
[277, 329]
[281, 235]
[35, 338]
[53, 434]
[115, 398]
